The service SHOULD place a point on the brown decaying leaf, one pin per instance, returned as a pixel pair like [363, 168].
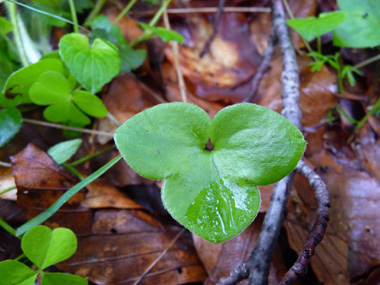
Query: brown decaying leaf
[351, 247]
[220, 259]
[115, 246]
[124, 243]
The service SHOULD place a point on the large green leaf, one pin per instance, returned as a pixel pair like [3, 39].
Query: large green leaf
[16, 90]
[45, 247]
[363, 28]
[14, 273]
[10, 124]
[312, 27]
[211, 191]
[92, 67]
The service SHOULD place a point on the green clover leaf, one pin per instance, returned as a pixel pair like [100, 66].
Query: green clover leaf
[92, 67]
[45, 247]
[211, 190]
[62, 278]
[52, 88]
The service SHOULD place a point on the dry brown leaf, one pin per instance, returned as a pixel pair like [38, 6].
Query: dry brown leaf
[220, 259]
[124, 243]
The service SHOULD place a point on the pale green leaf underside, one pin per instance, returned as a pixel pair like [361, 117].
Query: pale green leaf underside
[63, 151]
[214, 194]
[45, 247]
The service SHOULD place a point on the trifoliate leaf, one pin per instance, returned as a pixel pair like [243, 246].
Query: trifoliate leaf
[211, 191]
[89, 103]
[14, 272]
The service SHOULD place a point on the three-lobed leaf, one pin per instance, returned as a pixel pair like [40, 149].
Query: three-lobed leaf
[10, 124]
[45, 247]
[92, 66]
[312, 27]
[212, 192]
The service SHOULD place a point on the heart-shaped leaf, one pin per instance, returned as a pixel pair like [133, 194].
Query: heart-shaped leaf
[92, 67]
[66, 112]
[211, 190]
[14, 272]
[62, 278]
[89, 103]
[10, 124]
[45, 247]
[312, 27]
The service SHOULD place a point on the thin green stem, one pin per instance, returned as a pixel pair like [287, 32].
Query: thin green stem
[12, 13]
[74, 15]
[8, 189]
[72, 170]
[319, 44]
[65, 197]
[94, 12]
[367, 61]
[90, 156]
[124, 12]
[365, 118]
[159, 13]
[21, 256]
[147, 34]
[49, 14]
[7, 227]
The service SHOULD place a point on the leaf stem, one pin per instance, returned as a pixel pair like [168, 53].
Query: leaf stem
[7, 227]
[65, 197]
[367, 61]
[90, 156]
[94, 12]
[74, 16]
[72, 170]
[8, 189]
[5, 164]
[125, 11]
[319, 44]
[58, 126]
[12, 13]
[147, 34]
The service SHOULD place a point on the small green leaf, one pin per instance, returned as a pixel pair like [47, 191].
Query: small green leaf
[92, 67]
[10, 124]
[45, 247]
[53, 8]
[89, 103]
[50, 87]
[164, 34]
[65, 111]
[363, 29]
[312, 27]
[102, 26]
[213, 193]
[62, 278]
[131, 58]
[16, 90]
[63, 151]
[14, 272]
[5, 26]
